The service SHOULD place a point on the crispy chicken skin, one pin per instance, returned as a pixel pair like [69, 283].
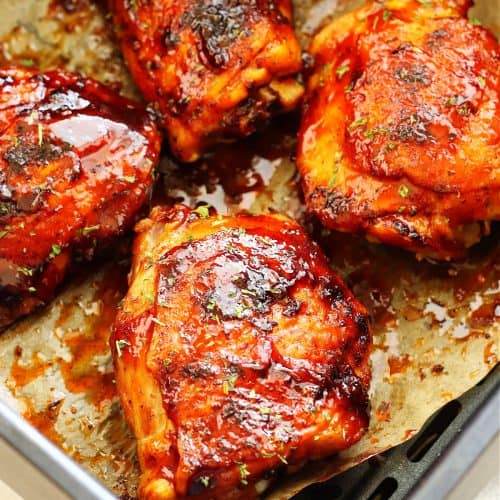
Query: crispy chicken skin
[214, 69]
[75, 166]
[237, 350]
[400, 131]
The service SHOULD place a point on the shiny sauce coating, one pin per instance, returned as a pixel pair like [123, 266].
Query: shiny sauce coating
[255, 350]
[76, 164]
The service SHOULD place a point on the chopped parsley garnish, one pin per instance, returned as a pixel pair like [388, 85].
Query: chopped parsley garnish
[375, 131]
[210, 305]
[425, 3]
[357, 123]
[243, 473]
[231, 379]
[475, 21]
[403, 191]
[463, 110]
[167, 362]
[27, 63]
[25, 270]
[450, 101]
[342, 70]
[120, 345]
[481, 81]
[241, 310]
[56, 250]
[89, 229]
[205, 481]
[129, 178]
[203, 211]
[337, 158]
[3, 233]
[386, 15]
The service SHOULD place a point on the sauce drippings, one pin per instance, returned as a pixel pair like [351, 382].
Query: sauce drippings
[81, 374]
[45, 421]
[22, 374]
[399, 365]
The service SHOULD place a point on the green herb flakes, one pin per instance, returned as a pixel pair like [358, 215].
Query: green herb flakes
[337, 160]
[89, 229]
[120, 345]
[403, 191]
[205, 481]
[27, 63]
[342, 70]
[56, 250]
[25, 270]
[357, 123]
[244, 473]
[203, 211]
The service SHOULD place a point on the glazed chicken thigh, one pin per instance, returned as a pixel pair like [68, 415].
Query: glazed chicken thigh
[400, 131]
[237, 351]
[214, 69]
[75, 167]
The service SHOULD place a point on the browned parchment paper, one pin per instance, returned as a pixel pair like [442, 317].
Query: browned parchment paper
[436, 327]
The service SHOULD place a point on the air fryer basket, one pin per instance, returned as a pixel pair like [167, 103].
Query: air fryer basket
[426, 466]
[432, 462]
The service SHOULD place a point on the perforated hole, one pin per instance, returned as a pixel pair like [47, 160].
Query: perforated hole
[385, 489]
[432, 432]
[320, 491]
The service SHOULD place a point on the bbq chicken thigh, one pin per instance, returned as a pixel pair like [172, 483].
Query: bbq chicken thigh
[75, 166]
[214, 69]
[400, 131]
[237, 351]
